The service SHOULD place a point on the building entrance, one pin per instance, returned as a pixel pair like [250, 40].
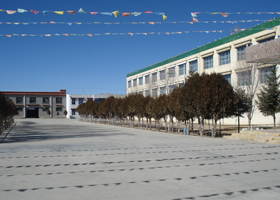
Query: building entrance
[32, 113]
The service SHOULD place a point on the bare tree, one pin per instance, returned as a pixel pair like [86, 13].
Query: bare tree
[248, 78]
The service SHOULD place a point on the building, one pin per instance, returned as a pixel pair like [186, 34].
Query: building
[37, 104]
[226, 56]
[74, 100]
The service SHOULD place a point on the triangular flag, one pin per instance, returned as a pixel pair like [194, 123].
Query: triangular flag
[1, 10]
[167, 33]
[224, 15]
[159, 13]
[35, 12]
[59, 12]
[151, 23]
[23, 34]
[9, 35]
[125, 14]
[130, 34]
[116, 13]
[144, 33]
[106, 13]
[136, 13]
[193, 15]
[81, 11]
[16, 23]
[164, 17]
[148, 11]
[52, 22]
[65, 34]
[72, 12]
[45, 11]
[195, 20]
[9, 12]
[21, 10]
[69, 24]
[93, 13]
[48, 35]
[90, 35]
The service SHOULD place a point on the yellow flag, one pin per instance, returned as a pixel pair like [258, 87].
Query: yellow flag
[59, 12]
[1, 10]
[116, 13]
[164, 17]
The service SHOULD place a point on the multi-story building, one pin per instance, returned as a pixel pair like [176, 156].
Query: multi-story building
[37, 104]
[226, 56]
[74, 100]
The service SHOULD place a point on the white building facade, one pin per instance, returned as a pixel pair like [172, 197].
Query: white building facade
[226, 56]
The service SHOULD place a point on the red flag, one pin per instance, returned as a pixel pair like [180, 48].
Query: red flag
[72, 12]
[224, 15]
[125, 14]
[35, 12]
[195, 20]
[148, 11]
[93, 13]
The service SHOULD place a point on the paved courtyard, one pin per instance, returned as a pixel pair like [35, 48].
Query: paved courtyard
[67, 159]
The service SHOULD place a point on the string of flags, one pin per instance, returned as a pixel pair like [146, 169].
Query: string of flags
[117, 23]
[194, 14]
[129, 33]
[81, 10]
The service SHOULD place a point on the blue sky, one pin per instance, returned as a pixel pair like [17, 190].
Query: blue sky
[99, 64]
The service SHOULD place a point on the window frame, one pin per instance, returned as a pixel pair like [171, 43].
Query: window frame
[141, 80]
[224, 58]
[33, 101]
[17, 100]
[184, 70]
[44, 98]
[147, 79]
[129, 84]
[208, 62]
[73, 101]
[135, 82]
[154, 77]
[241, 55]
[192, 64]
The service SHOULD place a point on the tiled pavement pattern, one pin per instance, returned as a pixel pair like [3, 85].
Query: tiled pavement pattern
[67, 159]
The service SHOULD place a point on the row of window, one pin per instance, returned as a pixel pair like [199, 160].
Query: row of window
[44, 109]
[80, 101]
[244, 78]
[32, 100]
[224, 58]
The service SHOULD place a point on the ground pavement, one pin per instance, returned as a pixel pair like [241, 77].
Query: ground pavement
[68, 159]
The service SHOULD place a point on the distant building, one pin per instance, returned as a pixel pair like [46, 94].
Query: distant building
[37, 104]
[74, 100]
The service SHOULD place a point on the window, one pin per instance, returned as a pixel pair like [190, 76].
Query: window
[171, 72]
[162, 75]
[73, 101]
[182, 69]
[194, 66]
[228, 77]
[58, 99]
[32, 100]
[147, 93]
[208, 62]
[264, 73]
[147, 79]
[58, 109]
[154, 76]
[225, 58]
[141, 81]
[46, 108]
[134, 82]
[154, 92]
[129, 84]
[81, 101]
[266, 40]
[19, 108]
[19, 100]
[181, 85]
[73, 112]
[241, 53]
[162, 90]
[244, 78]
[141, 92]
[45, 100]
[171, 88]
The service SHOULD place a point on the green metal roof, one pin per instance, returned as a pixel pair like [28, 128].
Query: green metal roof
[211, 45]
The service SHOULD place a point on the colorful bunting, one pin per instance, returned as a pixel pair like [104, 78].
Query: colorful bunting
[93, 13]
[224, 15]
[195, 20]
[164, 17]
[136, 13]
[45, 11]
[106, 13]
[148, 12]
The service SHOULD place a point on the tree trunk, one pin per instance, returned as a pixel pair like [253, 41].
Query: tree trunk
[274, 119]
